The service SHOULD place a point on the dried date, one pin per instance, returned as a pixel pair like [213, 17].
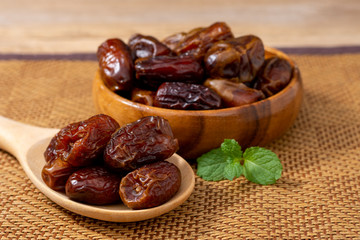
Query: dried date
[186, 96]
[56, 172]
[234, 94]
[173, 40]
[93, 185]
[273, 76]
[81, 143]
[237, 58]
[142, 96]
[254, 48]
[144, 141]
[116, 64]
[223, 60]
[147, 46]
[150, 185]
[152, 72]
[198, 41]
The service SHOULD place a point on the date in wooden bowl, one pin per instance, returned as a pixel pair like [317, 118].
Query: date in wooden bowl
[199, 131]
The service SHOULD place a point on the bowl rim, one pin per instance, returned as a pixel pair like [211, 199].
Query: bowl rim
[294, 80]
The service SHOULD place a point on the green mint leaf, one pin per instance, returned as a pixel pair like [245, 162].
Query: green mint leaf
[211, 165]
[232, 148]
[261, 166]
[233, 170]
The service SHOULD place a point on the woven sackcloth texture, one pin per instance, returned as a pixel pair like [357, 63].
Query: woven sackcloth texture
[317, 197]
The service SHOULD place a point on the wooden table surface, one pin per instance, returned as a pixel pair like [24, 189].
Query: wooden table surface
[68, 26]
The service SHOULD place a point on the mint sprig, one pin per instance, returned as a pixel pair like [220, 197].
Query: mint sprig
[258, 165]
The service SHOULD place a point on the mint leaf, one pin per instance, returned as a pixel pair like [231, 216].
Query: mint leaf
[232, 148]
[233, 170]
[261, 166]
[211, 165]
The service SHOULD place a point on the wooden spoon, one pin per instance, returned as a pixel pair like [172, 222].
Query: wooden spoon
[28, 143]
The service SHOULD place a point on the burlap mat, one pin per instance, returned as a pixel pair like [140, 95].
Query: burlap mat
[318, 196]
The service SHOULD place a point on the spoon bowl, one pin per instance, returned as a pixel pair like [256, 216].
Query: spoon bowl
[28, 143]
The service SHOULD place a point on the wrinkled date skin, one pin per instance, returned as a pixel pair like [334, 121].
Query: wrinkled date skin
[198, 41]
[152, 72]
[237, 58]
[147, 46]
[150, 185]
[274, 76]
[223, 60]
[143, 96]
[56, 172]
[234, 94]
[173, 40]
[170, 68]
[116, 64]
[144, 141]
[93, 185]
[254, 48]
[80, 143]
[186, 96]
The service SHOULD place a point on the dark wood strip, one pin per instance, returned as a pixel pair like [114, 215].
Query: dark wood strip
[92, 56]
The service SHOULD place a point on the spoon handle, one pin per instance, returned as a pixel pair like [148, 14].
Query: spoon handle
[16, 137]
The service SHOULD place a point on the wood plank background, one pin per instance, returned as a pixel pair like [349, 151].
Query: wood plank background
[52, 26]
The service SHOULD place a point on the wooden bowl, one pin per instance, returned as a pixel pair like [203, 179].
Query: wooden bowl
[199, 131]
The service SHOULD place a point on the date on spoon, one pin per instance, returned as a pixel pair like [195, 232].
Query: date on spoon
[28, 143]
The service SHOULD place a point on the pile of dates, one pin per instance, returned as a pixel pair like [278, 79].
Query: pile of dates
[205, 68]
[98, 162]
